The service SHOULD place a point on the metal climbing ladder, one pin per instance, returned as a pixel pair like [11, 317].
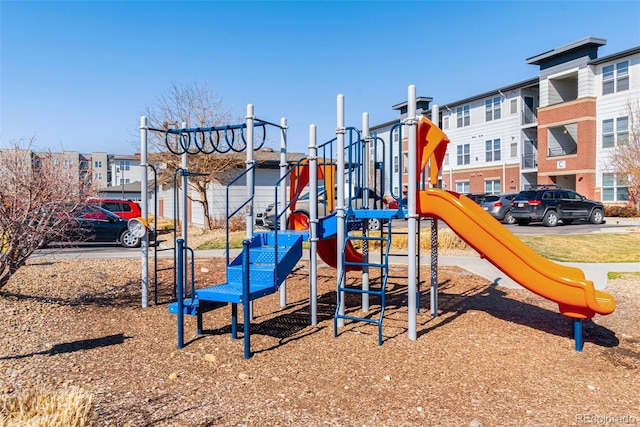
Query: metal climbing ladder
[365, 238]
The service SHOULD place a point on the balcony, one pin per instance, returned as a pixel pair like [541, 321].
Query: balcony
[562, 140]
[562, 151]
[528, 117]
[529, 161]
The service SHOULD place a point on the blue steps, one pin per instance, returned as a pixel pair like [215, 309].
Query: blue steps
[268, 268]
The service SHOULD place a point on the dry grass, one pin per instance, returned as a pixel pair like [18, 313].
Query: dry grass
[447, 239]
[587, 247]
[44, 408]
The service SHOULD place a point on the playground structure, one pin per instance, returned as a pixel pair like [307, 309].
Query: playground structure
[343, 164]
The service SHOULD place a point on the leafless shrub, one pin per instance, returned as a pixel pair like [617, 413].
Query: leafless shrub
[35, 188]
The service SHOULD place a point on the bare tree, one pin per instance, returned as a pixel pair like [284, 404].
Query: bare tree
[197, 106]
[625, 157]
[33, 189]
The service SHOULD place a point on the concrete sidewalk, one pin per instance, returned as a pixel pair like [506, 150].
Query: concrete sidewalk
[596, 272]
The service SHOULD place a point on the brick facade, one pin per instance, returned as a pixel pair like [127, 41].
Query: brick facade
[580, 166]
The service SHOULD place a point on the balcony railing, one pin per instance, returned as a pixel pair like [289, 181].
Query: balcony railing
[529, 117]
[562, 151]
[529, 161]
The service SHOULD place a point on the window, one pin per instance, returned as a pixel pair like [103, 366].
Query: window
[615, 132]
[622, 130]
[514, 150]
[396, 166]
[462, 187]
[464, 156]
[68, 163]
[492, 186]
[405, 162]
[513, 106]
[125, 165]
[492, 109]
[446, 159]
[463, 117]
[613, 190]
[396, 134]
[608, 136]
[622, 76]
[492, 150]
[615, 78]
[97, 164]
[99, 176]
[445, 122]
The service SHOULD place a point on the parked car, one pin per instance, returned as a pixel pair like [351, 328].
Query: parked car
[553, 204]
[267, 217]
[499, 206]
[477, 197]
[92, 223]
[123, 208]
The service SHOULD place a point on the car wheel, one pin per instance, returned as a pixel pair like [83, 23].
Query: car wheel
[508, 218]
[128, 240]
[374, 224]
[596, 216]
[523, 221]
[550, 219]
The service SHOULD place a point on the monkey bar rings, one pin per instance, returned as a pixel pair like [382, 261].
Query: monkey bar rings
[216, 139]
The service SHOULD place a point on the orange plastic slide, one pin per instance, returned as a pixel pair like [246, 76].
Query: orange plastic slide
[576, 296]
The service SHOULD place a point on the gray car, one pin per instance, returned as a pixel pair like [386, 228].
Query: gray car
[499, 206]
[268, 217]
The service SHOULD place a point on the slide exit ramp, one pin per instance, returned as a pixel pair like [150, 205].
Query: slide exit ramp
[577, 297]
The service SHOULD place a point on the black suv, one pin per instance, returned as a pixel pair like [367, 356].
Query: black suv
[551, 204]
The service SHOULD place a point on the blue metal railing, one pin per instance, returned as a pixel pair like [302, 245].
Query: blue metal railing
[242, 205]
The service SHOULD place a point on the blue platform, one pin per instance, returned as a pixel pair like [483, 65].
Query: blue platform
[272, 256]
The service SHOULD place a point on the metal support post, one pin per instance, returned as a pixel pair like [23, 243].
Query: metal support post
[180, 292]
[246, 303]
[313, 213]
[144, 245]
[412, 217]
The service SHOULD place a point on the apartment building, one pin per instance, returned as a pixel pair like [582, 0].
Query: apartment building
[556, 128]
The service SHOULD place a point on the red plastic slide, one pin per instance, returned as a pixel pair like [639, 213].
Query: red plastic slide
[327, 248]
[328, 252]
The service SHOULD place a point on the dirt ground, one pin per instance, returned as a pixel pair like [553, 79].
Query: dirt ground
[493, 356]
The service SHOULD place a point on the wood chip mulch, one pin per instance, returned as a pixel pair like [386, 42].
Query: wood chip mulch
[492, 357]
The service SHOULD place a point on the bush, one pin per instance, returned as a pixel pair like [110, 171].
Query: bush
[236, 223]
[626, 211]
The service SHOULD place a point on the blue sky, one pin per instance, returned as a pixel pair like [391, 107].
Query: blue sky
[78, 75]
